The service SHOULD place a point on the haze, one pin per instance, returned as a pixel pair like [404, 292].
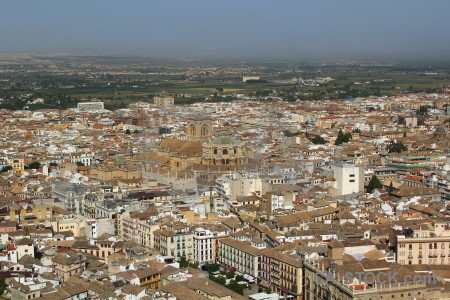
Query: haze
[228, 29]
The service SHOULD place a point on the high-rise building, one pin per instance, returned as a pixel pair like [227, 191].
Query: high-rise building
[348, 178]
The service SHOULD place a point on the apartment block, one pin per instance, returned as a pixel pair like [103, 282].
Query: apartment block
[424, 244]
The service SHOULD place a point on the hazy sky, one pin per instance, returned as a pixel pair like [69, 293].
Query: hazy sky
[228, 28]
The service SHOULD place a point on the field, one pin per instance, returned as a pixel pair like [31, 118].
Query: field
[63, 84]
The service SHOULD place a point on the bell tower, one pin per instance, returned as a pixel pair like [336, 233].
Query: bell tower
[199, 128]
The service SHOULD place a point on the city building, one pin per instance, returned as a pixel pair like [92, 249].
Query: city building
[91, 106]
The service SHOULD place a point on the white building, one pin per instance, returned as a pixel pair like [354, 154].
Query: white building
[97, 227]
[91, 106]
[203, 246]
[245, 78]
[24, 247]
[237, 185]
[242, 255]
[84, 158]
[348, 178]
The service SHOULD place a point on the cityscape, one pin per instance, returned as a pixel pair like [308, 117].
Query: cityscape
[262, 176]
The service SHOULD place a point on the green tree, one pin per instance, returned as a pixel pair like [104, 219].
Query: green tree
[374, 183]
[53, 164]
[219, 279]
[289, 133]
[340, 138]
[318, 140]
[184, 263]
[211, 267]
[343, 137]
[356, 130]
[423, 110]
[2, 286]
[391, 188]
[80, 164]
[236, 287]
[397, 147]
[193, 265]
[347, 137]
[6, 169]
[33, 165]
[136, 131]
[127, 131]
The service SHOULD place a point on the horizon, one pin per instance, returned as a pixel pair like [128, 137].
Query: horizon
[235, 30]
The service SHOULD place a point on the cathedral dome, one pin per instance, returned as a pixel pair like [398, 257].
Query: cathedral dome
[225, 140]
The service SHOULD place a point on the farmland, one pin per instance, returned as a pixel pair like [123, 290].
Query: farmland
[62, 82]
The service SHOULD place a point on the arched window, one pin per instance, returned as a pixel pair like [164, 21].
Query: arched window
[307, 283]
[225, 151]
[223, 161]
[215, 151]
[192, 129]
[204, 130]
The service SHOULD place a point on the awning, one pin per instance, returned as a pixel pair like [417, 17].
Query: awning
[264, 284]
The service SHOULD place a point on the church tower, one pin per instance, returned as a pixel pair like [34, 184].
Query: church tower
[199, 128]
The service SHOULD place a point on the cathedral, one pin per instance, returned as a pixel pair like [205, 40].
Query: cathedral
[202, 155]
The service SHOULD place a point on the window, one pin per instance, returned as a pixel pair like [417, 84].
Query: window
[204, 130]
[353, 180]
